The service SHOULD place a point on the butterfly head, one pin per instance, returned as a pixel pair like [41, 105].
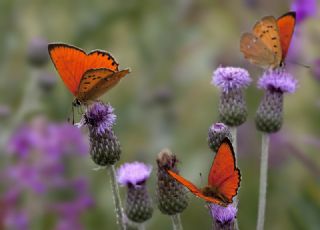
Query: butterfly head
[211, 191]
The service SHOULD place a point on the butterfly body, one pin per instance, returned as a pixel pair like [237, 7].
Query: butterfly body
[268, 44]
[214, 192]
[87, 76]
[223, 178]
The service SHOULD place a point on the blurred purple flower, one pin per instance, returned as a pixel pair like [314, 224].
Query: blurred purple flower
[278, 80]
[40, 153]
[22, 141]
[227, 78]
[17, 220]
[304, 9]
[37, 53]
[135, 173]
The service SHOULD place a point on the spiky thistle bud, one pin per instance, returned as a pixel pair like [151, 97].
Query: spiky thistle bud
[269, 115]
[223, 217]
[172, 196]
[138, 205]
[104, 145]
[231, 81]
[217, 133]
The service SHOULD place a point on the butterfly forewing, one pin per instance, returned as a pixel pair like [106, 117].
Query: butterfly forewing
[224, 175]
[256, 51]
[286, 24]
[69, 62]
[267, 31]
[194, 189]
[96, 82]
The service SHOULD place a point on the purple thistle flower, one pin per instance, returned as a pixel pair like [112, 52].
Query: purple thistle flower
[138, 204]
[135, 173]
[227, 78]
[232, 105]
[269, 116]
[278, 80]
[104, 145]
[304, 9]
[100, 117]
[22, 141]
[223, 216]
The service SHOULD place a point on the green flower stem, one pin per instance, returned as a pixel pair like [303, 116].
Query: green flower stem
[176, 222]
[233, 131]
[263, 180]
[116, 197]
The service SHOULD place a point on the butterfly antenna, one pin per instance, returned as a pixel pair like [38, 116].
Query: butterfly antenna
[299, 64]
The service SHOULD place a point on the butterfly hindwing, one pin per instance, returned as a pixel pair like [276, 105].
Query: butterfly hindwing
[267, 31]
[194, 189]
[96, 82]
[286, 24]
[224, 175]
[256, 51]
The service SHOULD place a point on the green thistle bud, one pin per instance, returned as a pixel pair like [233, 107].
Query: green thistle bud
[217, 133]
[172, 196]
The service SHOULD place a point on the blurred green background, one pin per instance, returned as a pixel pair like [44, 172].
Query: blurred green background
[172, 48]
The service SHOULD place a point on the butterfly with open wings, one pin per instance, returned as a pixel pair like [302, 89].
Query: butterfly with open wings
[267, 46]
[87, 75]
[223, 180]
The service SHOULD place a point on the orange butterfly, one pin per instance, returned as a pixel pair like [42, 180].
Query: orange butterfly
[87, 76]
[268, 44]
[223, 179]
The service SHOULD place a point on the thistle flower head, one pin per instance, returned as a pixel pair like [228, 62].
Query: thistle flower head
[133, 174]
[100, 117]
[138, 204]
[227, 78]
[278, 80]
[269, 115]
[172, 196]
[217, 132]
[223, 215]
[104, 145]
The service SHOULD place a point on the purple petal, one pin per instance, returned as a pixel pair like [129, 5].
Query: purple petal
[227, 78]
[279, 80]
[101, 117]
[223, 214]
[133, 173]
